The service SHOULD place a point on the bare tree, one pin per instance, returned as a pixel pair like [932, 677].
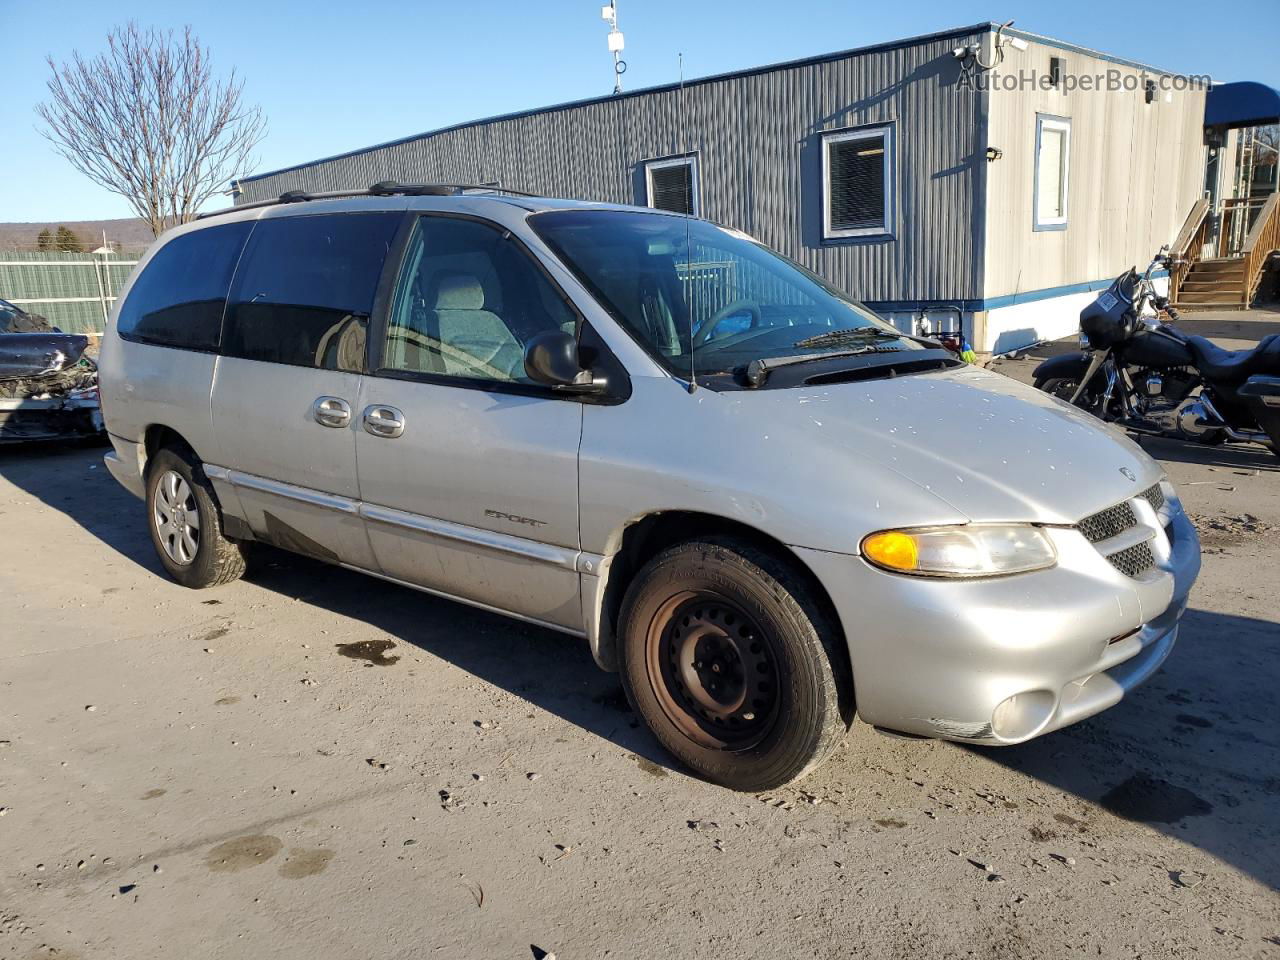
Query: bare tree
[149, 120]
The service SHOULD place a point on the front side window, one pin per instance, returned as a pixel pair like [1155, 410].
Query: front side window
[672, 185]
[178, 299]
[305, 289]
[1053, 162]
[468, 300]
[857, 183]
[694, 294]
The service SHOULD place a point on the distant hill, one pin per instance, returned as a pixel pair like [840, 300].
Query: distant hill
[130, 233]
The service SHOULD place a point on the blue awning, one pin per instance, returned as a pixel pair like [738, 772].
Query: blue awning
[1244, 104]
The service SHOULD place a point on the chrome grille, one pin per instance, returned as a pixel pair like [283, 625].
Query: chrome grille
[1108, 523]
[1154, 496]
[1133, 561]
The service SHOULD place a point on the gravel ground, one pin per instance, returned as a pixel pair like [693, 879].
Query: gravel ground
[311, 763]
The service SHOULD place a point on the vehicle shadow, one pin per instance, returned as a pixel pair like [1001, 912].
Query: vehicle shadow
[1231, 456]
[69, 475]
[548, 669]
[551, 670]
[1193, 753]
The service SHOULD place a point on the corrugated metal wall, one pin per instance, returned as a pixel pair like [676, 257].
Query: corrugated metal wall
[1136, 169]
[757, 137]
[64, 287]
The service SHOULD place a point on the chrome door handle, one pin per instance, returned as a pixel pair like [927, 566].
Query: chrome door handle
[383, 421]
[331, 412]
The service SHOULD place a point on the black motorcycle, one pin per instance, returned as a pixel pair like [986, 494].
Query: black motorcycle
[1145, 375]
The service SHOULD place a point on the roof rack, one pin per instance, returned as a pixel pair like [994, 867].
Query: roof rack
[383, 188]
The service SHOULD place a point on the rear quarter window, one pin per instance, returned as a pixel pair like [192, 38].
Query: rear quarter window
[179, 298]
[305, 289]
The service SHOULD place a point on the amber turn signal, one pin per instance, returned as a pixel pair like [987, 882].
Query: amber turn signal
[892, 549]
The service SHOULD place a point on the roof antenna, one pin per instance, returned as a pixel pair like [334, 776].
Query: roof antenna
[609, 14]
[691, 284]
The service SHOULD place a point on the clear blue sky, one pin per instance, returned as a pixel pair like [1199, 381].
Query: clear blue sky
[337, 76]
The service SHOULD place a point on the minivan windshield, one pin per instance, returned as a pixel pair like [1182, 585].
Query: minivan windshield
[684, 286]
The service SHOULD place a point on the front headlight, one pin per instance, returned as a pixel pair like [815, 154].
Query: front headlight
[977, 550]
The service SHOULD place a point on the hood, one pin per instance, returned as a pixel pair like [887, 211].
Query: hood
[39, 354]
[991, 448]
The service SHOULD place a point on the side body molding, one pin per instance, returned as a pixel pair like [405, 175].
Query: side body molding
[588, 565]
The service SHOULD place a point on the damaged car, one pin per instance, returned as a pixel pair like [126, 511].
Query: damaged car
[48, 385]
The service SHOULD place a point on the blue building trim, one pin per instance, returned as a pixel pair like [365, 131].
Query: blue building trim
[995, 303]
[1048, 293]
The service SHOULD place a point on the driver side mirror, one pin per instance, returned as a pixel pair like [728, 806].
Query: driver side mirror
[551, 359]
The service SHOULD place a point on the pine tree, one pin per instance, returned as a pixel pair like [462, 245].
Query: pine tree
[44, 240]
[67, 241]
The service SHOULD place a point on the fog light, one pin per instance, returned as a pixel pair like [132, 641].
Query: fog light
[1022, 715]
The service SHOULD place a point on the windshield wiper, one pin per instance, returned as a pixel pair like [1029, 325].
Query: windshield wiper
[757, 371]
[835, 337]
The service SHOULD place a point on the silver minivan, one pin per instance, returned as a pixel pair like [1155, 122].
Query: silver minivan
[765, 507]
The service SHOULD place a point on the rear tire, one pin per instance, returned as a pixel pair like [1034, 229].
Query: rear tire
[186, 524]
[733, 664]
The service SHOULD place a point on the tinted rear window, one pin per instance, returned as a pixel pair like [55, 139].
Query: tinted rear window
[178, 299]
[305, 289]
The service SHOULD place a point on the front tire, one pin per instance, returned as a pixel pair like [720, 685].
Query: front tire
[1064, 388]
[733, 664]
[186, 525]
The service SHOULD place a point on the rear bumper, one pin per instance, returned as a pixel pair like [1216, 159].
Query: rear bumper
[123, 464]
[1001, 661]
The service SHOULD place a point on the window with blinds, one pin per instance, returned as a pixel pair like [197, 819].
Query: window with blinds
[1053, 161]
[673, 185]
[857, 180]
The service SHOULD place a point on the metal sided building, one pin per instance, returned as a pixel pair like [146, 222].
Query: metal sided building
[962, 173]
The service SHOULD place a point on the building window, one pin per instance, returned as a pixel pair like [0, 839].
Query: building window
[1055, 72]
[857, 183]
[1053, 164]
[672, 185]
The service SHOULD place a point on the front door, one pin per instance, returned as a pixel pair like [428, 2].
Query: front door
[287, 386]
[468, 470]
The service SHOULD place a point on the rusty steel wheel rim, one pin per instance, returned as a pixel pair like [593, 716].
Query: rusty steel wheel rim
[712, 670]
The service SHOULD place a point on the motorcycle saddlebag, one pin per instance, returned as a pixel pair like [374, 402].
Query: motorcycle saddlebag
[1262, 394]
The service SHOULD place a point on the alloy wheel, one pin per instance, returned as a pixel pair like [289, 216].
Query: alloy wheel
[176, 517]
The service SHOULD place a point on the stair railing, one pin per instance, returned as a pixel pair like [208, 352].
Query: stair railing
[1263, 239]
[1189, 243]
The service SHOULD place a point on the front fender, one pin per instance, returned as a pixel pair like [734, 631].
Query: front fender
[1068, 366]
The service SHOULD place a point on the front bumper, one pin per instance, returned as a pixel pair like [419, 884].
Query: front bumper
[1000, 661]
[24, 419]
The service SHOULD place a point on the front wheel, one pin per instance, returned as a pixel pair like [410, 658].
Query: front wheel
[1064, 388]
[185, 525]
[733, 664]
